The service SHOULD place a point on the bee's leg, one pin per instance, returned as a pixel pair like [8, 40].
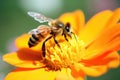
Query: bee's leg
[65, 37]
[43, 46]
[56, 42]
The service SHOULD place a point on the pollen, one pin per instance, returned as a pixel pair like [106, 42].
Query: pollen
[69, 53]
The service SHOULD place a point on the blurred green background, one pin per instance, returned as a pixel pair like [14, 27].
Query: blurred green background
[14, 21]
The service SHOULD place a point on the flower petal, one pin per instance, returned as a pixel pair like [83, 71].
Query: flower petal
[94, 70]
[94, 26]
[114, 18]
[109, 40]
[90, 70]
[37, 74]
[22, 41]
[77, 73]
[76, 19]
[23, 58]
[110, 59]
[30, 74]
[114, 60]
[66, 74]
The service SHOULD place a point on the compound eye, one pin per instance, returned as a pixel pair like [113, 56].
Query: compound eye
[59, 24]
[67, 27]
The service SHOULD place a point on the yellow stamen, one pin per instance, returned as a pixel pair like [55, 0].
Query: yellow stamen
[71, 53]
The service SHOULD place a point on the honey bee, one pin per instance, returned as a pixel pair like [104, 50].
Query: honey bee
[46, 32]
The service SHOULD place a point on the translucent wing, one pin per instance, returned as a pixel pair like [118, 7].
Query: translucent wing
[40, 29]
[33, 31]
[39, 17]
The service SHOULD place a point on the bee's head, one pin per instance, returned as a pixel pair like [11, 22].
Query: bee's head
[56, 24]
[65, 27]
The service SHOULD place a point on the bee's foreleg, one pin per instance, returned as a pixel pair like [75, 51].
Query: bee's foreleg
[65, 37]
[56, 42]
[43, 46]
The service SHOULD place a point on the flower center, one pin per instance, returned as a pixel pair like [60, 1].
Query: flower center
[69, 53]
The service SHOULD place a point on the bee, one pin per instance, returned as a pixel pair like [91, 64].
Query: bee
[46, 32]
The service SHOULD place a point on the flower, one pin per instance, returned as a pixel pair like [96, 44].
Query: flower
[92, 52]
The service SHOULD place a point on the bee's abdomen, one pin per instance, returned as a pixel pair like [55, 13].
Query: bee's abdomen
[34, 40]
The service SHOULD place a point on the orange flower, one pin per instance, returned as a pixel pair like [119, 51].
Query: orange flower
[92, 54]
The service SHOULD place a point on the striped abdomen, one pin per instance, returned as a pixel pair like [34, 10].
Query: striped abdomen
[34, 39]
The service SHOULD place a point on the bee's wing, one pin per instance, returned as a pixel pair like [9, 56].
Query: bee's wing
[33, 31]
[40, 29]
[39, 17]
